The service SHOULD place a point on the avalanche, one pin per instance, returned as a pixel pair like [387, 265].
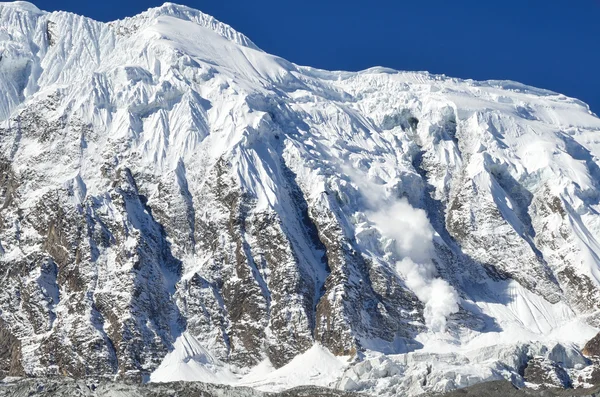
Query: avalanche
[177, 204]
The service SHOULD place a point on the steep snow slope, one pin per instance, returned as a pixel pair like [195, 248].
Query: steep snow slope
[178, 204]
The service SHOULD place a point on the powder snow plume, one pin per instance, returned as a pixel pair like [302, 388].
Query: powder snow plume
[413, 234]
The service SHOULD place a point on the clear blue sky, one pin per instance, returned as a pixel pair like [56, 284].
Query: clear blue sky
[554, 44]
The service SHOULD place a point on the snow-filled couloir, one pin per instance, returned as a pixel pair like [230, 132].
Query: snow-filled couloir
[178, 204]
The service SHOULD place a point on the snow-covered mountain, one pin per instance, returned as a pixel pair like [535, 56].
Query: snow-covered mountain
[176, 204]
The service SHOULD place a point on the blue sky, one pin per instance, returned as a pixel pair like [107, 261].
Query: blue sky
[554, 44]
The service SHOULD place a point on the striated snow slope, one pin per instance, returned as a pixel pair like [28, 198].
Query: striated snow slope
[176, 204]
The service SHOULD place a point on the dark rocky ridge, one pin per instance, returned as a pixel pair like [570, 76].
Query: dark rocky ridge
[66, 387]
[592, 347]
[506, 389]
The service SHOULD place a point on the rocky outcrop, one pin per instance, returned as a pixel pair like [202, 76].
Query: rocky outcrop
[10, 353]
[67, 387]
[545, 373]
[592, 347]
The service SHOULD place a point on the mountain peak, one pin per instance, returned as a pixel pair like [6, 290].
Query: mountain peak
[186, 13]
[22, 5]
[175, 5]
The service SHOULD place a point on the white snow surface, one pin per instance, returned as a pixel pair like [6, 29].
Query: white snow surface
[174, 85]
[317, 366]
[190, 361]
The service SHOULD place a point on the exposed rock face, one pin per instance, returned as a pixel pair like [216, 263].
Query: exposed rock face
[162, 176]
[592, 347]
[589, 376]
[545, 373]
[10, 353]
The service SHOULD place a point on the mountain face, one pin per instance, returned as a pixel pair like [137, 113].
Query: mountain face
[177, 204]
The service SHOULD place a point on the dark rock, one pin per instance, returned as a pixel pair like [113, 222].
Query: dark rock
[67, 387]
[592, 347]
[10, 353]
[546, 374]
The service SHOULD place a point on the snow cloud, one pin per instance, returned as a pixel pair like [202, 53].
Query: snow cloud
[412, 234]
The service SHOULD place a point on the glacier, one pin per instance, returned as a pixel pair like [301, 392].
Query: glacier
[177, 204]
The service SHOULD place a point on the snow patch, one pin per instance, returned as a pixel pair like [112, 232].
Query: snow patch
[317, 366]
[190, 361]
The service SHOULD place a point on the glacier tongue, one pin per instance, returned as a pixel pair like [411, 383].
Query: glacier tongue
[177, 204]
